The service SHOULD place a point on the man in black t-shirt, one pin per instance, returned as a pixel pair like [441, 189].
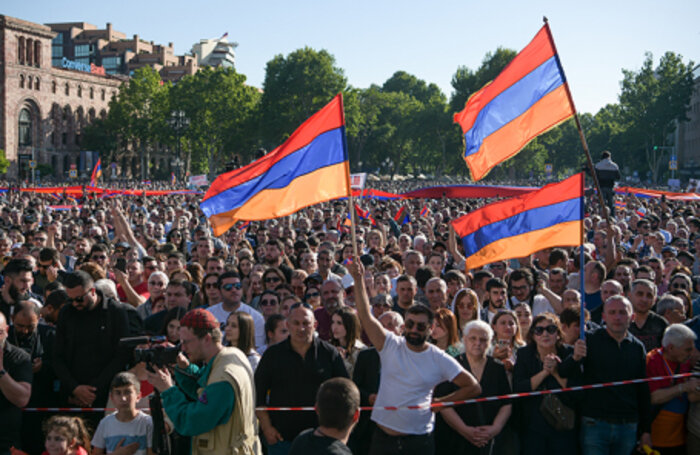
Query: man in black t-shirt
[646, 325]
[15, 389]
[338, 409]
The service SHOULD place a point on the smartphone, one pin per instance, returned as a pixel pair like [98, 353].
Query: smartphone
[121, 265]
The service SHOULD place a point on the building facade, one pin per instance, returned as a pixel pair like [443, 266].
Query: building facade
[215, 52]
[43, 108]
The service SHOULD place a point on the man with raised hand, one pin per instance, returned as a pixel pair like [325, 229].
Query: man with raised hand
[411, 368]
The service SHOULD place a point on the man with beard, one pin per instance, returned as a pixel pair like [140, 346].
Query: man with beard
[332, 298]
[88, 331]
[411, 368]
[497, 294]
[274, 257]
[36, 340]
[19, 278]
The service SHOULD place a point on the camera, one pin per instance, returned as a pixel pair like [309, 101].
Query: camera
[158, 354]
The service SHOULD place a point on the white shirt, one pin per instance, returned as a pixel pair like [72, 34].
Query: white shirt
[111, 431]
[408, 378]
[221, 315]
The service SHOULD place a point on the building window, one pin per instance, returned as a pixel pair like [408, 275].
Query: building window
[82, 50]
[57, 50]
[21, 81]
[29, 51]
[103, 95]
[30, 82]
[25, 128]
[37, 53]
[92, 93]
[37, 84]
[67, 89]
[20, 50]
[53, 87]
[80, 91]
[112, 65]
[64, 138]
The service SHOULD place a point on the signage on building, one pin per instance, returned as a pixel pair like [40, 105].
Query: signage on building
[84, 67]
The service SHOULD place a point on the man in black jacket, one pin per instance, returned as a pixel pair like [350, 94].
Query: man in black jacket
[608, 173]
[86, 354]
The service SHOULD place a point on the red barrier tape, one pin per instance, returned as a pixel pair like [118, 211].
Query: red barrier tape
[432, 405]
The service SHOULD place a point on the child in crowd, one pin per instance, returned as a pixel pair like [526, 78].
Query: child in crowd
[66, 436]
[128, 427]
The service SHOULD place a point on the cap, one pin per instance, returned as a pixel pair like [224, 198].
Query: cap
[314, 277]
[669, 249]
[199, 318]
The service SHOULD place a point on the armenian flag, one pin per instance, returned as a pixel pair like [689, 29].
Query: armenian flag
[172, 178]
[524, 224]
[308, 168]
[402, 216]
[529, 97]
[622, 205]
[424, 211]
[96, 172]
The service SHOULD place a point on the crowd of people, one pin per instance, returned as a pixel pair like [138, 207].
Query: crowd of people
[275, 313]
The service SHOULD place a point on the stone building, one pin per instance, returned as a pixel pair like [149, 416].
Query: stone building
[43, 108]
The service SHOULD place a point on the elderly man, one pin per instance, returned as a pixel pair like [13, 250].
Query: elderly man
[332, 298]
[436, 292]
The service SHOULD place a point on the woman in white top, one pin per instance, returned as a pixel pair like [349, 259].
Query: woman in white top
[239, 332]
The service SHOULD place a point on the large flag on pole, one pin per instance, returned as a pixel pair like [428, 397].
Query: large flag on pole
[522, 225]
[529, 97]
[310, 167]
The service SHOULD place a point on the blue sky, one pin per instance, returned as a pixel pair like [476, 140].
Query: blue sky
[372, 39]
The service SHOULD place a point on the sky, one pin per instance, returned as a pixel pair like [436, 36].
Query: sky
[373, 39]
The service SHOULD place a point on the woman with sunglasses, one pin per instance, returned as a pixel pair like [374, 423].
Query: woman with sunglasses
[477, 428]
[211, 294]
[269, 303]
[272, 278]
[345, 329]
[536, 369]
[157, 282]
[239, 332]
[313, 296]
[177, 238]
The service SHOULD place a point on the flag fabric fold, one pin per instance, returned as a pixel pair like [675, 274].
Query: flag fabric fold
[96, 172]
[308, 168]
[526, 99]
[522, 225]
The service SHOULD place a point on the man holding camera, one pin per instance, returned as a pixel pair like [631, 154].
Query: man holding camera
[213, 403]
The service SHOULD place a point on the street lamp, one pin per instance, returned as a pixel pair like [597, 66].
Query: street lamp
[178, 122]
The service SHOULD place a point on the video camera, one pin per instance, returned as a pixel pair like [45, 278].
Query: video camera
[158, 354]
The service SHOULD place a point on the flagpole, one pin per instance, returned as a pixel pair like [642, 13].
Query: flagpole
[582, 136]
[582, 257]
[351, 200]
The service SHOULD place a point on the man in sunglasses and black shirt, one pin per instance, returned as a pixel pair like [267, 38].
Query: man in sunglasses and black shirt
[88, 330]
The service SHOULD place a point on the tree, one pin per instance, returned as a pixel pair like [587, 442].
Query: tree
[652, 101]
[4, 162]
[295, 87]
[221, 109]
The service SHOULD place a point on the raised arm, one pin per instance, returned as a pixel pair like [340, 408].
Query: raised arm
[370, 324]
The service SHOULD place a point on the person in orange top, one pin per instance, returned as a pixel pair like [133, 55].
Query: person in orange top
[668, 434]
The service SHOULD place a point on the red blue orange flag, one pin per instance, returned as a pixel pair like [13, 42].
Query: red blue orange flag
[96, 172]
[402, 216]
[528, 98]
[522, 225]
[310, 167]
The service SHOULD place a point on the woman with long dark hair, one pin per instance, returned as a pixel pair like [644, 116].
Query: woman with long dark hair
[239, 332]
[345, 327]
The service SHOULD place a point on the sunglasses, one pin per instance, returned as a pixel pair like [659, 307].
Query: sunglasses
[420, 326]
[268, 302]
[156, 283]
[229, 286]
[80, 299]
[312, 294]
[539, 330]
[272, 279]
[679, 286]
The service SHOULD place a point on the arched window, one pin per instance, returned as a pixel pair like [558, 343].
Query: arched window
[103, 94]
[53, 87]
[37, 53]
[37, 84]
[20, 50]
[25, 127]
[67, 89]
[80, 91]
[30, 82]
[92, 93]
[21, 81]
